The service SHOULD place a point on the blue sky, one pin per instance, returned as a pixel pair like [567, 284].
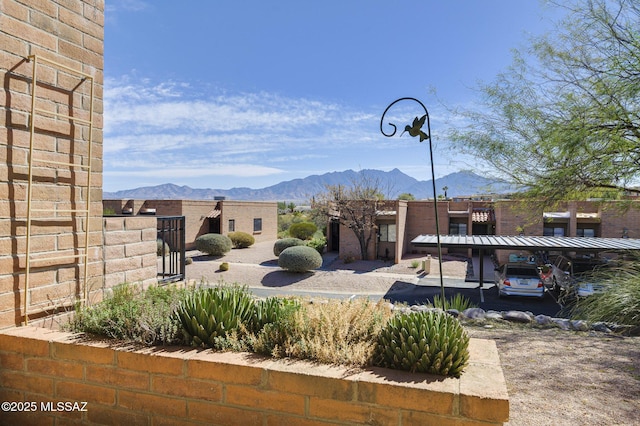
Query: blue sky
[249, 93]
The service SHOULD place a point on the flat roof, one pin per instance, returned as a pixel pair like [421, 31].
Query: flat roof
[528, 243]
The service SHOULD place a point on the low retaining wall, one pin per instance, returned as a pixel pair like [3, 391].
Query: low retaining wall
[49, 374]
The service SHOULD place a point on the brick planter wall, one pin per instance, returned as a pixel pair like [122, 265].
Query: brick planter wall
[123, 385]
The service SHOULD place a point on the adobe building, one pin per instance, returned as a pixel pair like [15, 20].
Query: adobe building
[256, 218]
[400, 221]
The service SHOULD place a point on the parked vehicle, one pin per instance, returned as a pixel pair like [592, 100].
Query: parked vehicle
[519, 279]
[566, 274]
[557, 275]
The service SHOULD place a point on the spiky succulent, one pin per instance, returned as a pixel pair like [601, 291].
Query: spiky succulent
[426, 342]
[209, 313]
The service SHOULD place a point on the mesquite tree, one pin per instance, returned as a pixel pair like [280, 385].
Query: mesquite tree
[564, 122]
[355, 206]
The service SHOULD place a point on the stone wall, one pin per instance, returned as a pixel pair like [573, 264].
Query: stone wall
[129, 251]
[124, 385]
[71, 33]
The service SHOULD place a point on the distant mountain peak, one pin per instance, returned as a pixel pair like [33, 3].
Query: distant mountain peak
[462, 183]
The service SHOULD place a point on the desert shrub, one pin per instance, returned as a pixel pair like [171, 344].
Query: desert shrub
[299, 259]
[302, 230]
[224, 266]
[335, 332]
[426, 342]
[160, 244]
[317, 243]
[213, 244]
[619, 302]
[241, 239]
[284, 243]
[458, 302]
[271, 310]
[134, 315]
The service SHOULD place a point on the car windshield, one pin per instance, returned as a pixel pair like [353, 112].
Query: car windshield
[522, 272]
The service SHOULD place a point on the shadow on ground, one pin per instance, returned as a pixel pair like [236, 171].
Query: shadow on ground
[282, 278]
[411, 294]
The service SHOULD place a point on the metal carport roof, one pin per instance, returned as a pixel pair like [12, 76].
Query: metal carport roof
[528, 243]
[492, 242]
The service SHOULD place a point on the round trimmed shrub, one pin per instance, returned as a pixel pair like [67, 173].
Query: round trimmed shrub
[213, 244]
[241, 239]
[300, 259]
[285, 243]
[303, 230]
[160, 244]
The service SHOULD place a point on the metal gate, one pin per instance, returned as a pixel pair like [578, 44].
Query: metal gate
[171, 266]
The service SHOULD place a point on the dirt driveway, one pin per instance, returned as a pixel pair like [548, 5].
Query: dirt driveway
[553, 377]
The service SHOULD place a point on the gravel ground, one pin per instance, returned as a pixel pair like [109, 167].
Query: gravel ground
[553, 377]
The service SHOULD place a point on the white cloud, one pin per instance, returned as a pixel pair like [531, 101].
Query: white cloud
[238, 170]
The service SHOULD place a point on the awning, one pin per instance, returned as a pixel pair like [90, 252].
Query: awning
[556, 216]
[213, 214]
[528, 243]
[588, 217]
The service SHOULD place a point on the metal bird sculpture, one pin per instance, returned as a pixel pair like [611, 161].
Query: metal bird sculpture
[416, 128]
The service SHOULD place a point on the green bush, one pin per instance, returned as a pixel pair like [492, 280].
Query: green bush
[160, 244]
[426, 342]
[619, 302]
[300, 259]
[241, 239]
[213, 244]
[302, 230]
[457, 302]
[284, 243]
[319, 244]
[134, 315]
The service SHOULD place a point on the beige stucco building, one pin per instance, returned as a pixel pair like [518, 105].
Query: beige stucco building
[256, 218]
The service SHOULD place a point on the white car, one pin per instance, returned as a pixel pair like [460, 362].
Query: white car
[519, 279]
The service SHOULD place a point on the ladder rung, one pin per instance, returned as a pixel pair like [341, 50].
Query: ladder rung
[46, 259]
[59, 65]
[57, 114]
[61, 163]
[61, 210]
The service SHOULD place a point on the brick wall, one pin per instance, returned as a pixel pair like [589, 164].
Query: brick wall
[70, 32]
[129, 251]
[123, 385]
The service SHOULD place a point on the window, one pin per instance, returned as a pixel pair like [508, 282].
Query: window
[457, 229]
[557, 231]
[585, 232]
[388, 232]
[257, 225]
[232, 225]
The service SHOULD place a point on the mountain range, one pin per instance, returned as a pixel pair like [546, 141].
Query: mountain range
[392, 184]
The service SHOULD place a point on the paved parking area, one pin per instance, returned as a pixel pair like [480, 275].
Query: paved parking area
[257, 268]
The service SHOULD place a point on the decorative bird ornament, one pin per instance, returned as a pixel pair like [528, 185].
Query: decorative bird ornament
[416, 128]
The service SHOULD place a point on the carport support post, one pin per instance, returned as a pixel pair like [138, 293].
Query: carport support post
[481, 259]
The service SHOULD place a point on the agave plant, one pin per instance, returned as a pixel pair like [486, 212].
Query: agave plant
[426, 342]
[211, 313]
[270, 310]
